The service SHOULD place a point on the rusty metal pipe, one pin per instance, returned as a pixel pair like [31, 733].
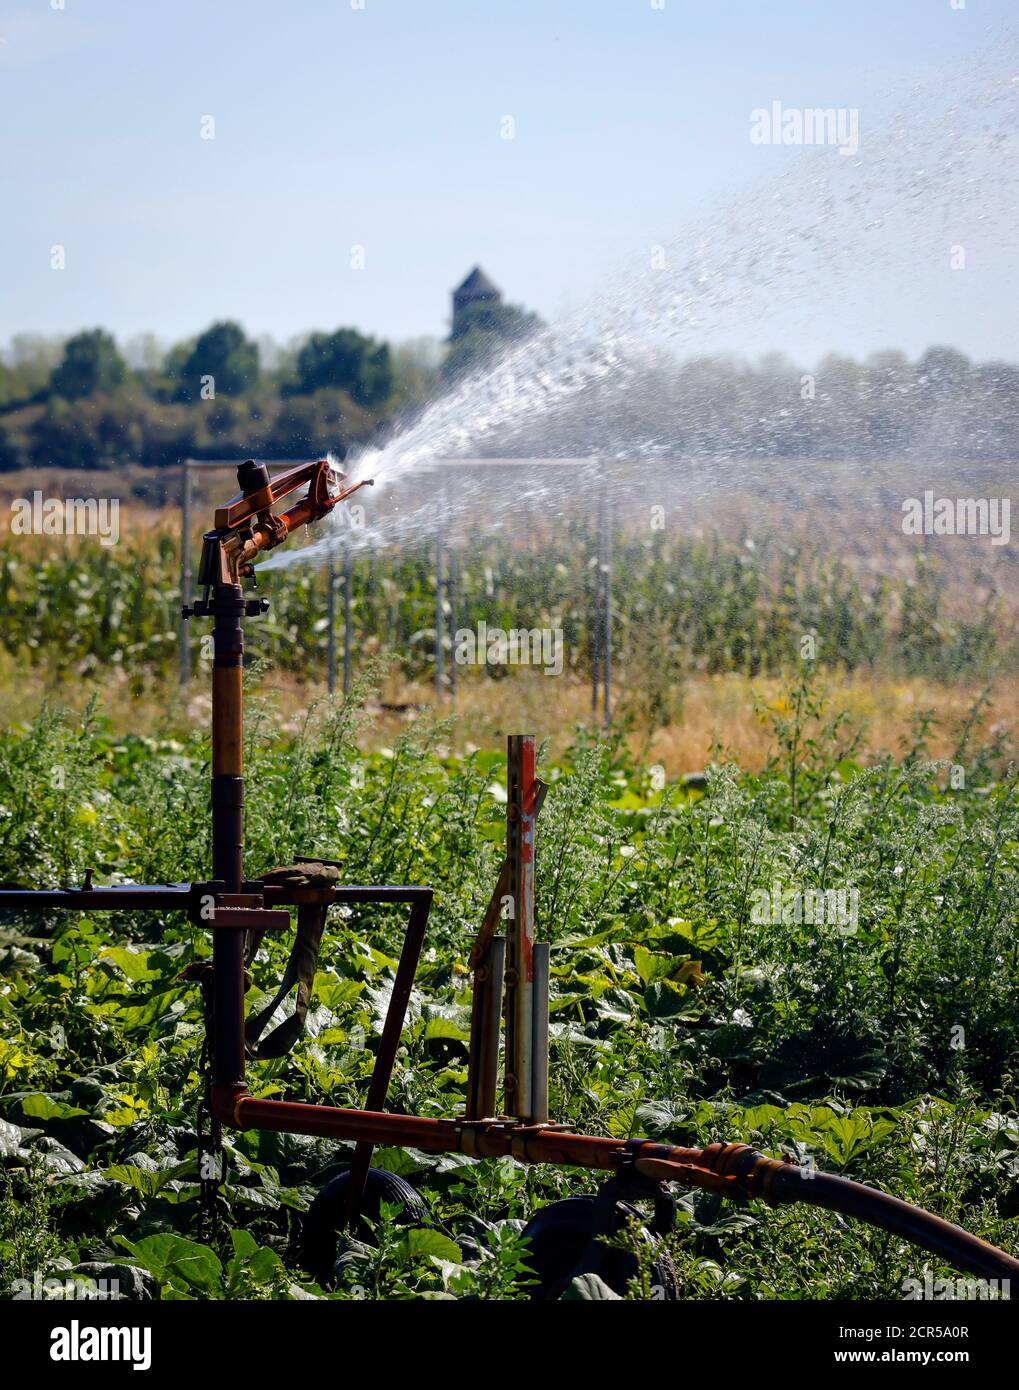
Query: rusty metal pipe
[539, 1046]
[493, 1140]
[740, 1171]
[486, 1020]
[735, 1169]
[228, 828]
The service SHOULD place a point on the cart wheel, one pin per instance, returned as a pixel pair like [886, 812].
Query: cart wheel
[563, 1243]
[325, 1216]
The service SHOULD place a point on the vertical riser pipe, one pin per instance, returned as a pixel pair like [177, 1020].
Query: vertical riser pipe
[228, 828]
[486, 1021]
[520, 813]
[539, 1065]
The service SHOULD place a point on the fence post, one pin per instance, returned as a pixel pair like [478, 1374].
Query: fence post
[597, 632]
[605, 565]
[331, 624]
[440, 674]
[184, 671]
[347, 635]
[451, 597]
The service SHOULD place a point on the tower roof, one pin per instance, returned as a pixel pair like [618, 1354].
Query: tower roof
[478, 285]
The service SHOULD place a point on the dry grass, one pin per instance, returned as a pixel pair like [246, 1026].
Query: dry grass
[717, 711]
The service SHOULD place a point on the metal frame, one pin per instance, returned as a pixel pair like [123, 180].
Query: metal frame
[239, 906]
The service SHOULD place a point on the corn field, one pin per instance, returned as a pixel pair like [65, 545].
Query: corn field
[679, 606]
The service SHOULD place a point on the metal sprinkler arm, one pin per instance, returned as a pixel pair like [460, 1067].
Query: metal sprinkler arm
[247, 525]
[316, 474]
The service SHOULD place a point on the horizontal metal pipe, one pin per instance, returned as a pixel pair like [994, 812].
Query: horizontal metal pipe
[751, 1173]
[351, 893]
[123, 897]
[438, 1136]
[120, 898]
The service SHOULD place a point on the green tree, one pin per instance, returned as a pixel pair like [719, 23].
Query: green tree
[91, 363]
[31, 360]
[10, 455]
[346, 361]
[416, 365]
[64, 436]
[223, 353]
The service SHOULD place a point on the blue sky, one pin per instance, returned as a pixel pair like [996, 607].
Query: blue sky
[380, 127]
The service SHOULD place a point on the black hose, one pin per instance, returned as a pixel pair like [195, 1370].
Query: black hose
[950, 1243]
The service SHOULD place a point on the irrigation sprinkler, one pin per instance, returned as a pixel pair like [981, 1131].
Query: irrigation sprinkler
[511, 991]
[189, 467]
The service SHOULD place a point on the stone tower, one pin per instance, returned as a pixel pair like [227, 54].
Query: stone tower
[477, 287]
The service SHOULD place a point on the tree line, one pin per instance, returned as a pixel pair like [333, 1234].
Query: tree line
[86, 403]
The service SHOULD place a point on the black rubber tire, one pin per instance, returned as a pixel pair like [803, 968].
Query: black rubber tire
[562, 1245]
[324, 1217]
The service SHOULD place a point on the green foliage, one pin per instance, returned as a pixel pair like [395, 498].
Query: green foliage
[90, 365]
[941, 406]
[347, 361]
[97, 432]
[887, 1052]
[224, 353]
[27, 1240]
[10, 456]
